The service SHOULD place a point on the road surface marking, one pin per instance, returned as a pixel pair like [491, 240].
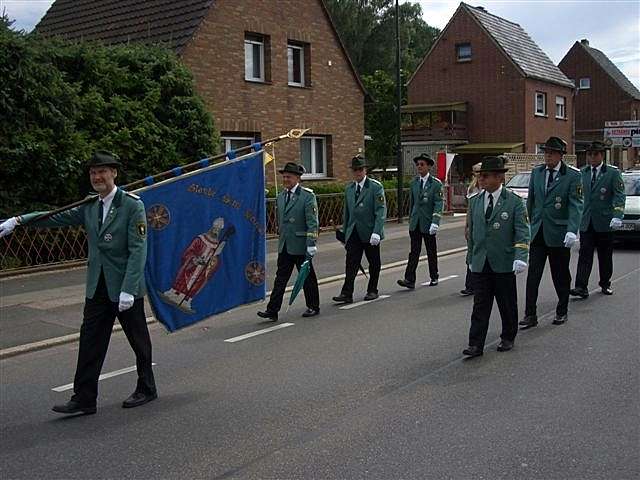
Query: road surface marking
[122, 371]
[363, 302]
[440, 280]
[258, 332]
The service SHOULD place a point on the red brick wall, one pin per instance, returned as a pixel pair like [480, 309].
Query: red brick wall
[539, 129]
[604, 101]
[333, 105]
[489, 83]
[500, 107]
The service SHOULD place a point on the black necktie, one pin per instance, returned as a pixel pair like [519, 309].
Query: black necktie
[593, 176]
[288, 198]
[550, 181]
[421, 184]
[100, 213]
[489, 211]
[358, 191]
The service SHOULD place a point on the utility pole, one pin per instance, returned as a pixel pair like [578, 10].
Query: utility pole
[399, 118]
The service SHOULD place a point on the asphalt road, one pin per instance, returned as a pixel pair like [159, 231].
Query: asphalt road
[378, 391]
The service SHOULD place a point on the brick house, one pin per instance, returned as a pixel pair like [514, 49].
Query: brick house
[262, 67]
[604, 94]
[485, 88]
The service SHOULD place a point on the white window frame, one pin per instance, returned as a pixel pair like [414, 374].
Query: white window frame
[463, 59]
[585, 83]
[539, 148]
[313, 173]
[290, 48]
[228, 140]
[542, 113]
[249, 45]
[561, 102]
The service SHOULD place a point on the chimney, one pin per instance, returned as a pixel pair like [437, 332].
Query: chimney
[584, 42]
[482, 9]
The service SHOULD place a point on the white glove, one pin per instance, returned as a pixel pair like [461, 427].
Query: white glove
[433, 229]
[126, 301]
[7, 227]
[311, 251]
[375, 239]
[615, 224]
[519, 266]
[569, 239]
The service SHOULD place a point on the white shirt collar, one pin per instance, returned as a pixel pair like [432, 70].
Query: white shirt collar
[425, 178]
[557, 167]
[495, 196]
[362, 182]
[598, 168]
[294, 188]
[106, 201]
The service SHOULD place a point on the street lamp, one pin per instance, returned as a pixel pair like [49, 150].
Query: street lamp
[399, 119]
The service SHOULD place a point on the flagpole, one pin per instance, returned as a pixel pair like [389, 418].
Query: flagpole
[294, 133]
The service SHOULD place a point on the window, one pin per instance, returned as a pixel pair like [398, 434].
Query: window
[541, 104]
[234, 143]
[254, 58]
[295, 58]
[561, 111]
[539, 147]
[585, 83]
[313, 154]
[463, 51]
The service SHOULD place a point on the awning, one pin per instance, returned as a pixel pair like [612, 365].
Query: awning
[435, 107]
[496, 148]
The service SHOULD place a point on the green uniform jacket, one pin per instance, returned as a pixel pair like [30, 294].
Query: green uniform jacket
[558, 210]
[605, 201]
[425, 206]
[119, 248]
[367, 216]
[298, 221]
[500, 240]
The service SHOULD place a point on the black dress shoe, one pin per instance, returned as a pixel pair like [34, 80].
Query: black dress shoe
[269, 315]
[560, 319]
[607, 290]
[433, 282]
[370, 296]
[343, 299]
[528, 322]
[138, 398]
[406, 284]
[311, 312]
[505, 346]
[579, 292]
[73, 406]
[472, 351]
[466, 292]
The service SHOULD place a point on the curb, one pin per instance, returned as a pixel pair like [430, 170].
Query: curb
[73, 337]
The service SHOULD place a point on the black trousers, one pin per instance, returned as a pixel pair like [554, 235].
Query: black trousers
[417, 237]
[355, 249]
[286, 262]
[603, 243]
[99, 315]
[559, 263]
[502, 287]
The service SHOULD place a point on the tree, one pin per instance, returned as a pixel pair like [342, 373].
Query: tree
[61, 101]
[367, 27]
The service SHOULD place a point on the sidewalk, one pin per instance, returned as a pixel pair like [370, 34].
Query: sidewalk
[41, 306]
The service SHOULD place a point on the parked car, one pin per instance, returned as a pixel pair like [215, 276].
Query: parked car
[519, 184]
[630, 229]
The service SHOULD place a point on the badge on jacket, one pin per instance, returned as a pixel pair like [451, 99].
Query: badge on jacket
[142, 229]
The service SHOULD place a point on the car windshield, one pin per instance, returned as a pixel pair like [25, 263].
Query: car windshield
[520, 180]
[631, 184]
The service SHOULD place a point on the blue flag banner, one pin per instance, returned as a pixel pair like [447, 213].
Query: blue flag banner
[206, 241]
